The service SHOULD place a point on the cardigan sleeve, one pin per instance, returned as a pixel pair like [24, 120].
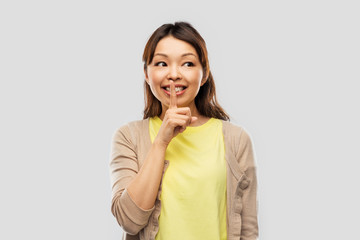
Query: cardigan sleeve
[123, 168]
[245, 156]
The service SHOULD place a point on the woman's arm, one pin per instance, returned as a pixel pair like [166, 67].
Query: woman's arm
[144, 187]
[135, 190]
[249, 229]
[124, 168]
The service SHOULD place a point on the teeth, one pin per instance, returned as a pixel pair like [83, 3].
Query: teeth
[177, 89]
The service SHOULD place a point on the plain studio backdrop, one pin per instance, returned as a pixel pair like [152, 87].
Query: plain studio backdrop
[71, 74]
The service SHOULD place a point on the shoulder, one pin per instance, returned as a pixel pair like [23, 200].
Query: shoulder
[235, 132]
[236, 138]
[132, 129]
[134, 126]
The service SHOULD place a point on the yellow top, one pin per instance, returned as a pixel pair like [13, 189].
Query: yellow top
[193, 195]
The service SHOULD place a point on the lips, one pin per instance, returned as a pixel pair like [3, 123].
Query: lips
[179, 89]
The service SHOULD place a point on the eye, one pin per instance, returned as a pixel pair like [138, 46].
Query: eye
[189, 64]
[160, 64]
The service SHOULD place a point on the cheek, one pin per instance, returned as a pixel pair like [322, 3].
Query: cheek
[198, 75]
[155, 77]
[193, 74]
[154, 81]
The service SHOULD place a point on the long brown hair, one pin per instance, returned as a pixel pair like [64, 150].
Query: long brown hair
[205, 101]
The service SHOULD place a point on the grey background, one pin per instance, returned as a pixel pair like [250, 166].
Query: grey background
[71, 73]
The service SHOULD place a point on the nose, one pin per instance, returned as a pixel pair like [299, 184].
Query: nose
[174, 73]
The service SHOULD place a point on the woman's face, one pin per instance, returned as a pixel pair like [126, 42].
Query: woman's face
[175, 60]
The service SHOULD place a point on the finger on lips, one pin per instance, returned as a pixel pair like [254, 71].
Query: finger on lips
[181, 114]
[173, 99]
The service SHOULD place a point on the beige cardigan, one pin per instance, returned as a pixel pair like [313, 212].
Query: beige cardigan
[130, 145]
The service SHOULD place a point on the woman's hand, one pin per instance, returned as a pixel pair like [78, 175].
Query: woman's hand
[175, 120]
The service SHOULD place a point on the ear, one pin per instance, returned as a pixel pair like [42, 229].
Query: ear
[146, 76]
[203, 81]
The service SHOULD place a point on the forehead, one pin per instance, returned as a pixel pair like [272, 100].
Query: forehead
[173, 46]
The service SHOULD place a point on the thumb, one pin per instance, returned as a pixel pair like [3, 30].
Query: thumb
[194, 119]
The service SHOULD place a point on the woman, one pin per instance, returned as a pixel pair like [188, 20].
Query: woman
[184, 171]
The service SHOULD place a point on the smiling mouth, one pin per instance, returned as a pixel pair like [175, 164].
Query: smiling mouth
[177, 89]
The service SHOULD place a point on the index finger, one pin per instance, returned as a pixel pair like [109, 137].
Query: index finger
[173, 98]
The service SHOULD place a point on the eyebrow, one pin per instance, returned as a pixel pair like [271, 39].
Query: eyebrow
[184, 55]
